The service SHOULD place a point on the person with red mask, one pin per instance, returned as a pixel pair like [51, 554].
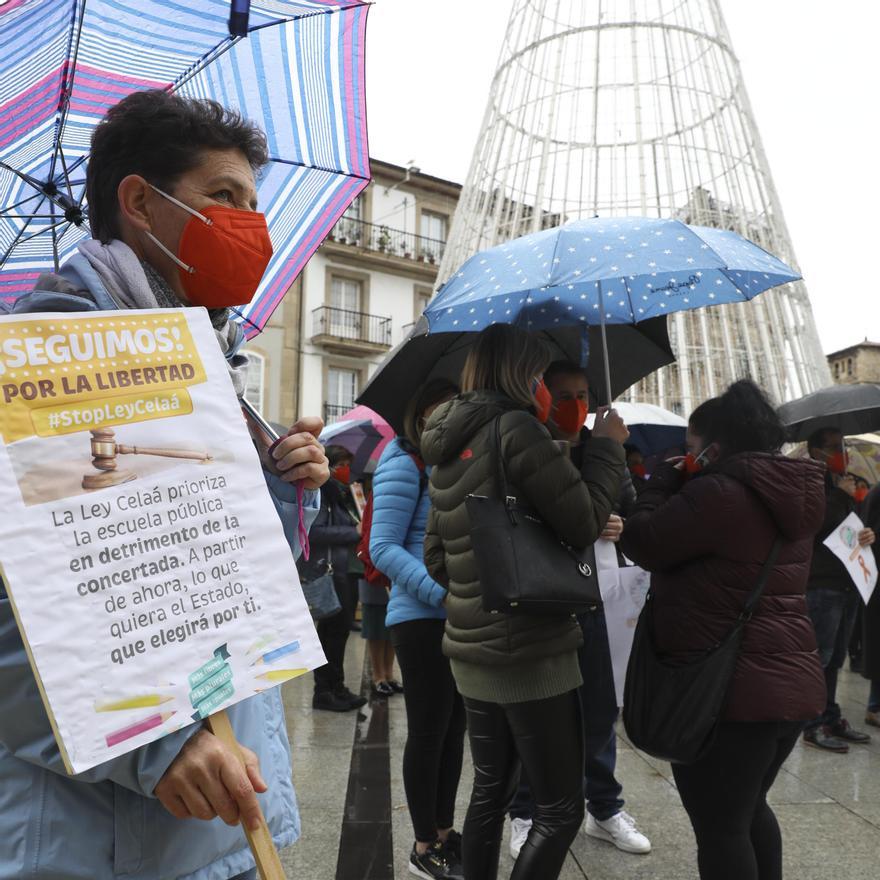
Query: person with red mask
[172, 208]
[635, 464]
[606, 819]
[334, 538]
[832, 598]
[518, 673]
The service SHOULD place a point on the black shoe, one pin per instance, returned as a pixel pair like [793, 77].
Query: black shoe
[395, 685]
[821, 738]
[354, 701]
[330, 702]
[382, 689]
[431, 865]
[842, 730]
[452, 848]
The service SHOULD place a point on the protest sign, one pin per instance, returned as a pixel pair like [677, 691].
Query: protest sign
[623, 597]
[843, 542]
[143, 555]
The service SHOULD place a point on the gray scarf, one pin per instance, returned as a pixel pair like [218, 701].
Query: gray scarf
[137, 285]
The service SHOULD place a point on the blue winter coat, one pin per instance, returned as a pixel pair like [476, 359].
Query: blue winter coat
[106, 823]
[397, 536]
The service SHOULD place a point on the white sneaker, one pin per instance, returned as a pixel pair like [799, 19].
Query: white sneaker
[519, 831]
[620, 830]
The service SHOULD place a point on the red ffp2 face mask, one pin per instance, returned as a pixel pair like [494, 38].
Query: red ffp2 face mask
[571, 415]
[222, 255]
[342, 472]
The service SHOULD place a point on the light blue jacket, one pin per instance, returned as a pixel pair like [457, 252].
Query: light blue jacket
[397, 537]
[106, 823]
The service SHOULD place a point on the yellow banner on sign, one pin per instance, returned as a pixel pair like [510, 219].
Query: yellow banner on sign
[62, 375]
[53, 420]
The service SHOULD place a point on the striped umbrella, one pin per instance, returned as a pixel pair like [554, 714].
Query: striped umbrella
[299, 75]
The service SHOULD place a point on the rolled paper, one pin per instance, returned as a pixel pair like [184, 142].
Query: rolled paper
[213, 702]
[209, 685]
[141, 702]
[277, 653]
[221, 655]
[137, 728]
[281, 674]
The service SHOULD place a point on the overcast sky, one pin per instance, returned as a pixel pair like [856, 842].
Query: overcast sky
[810, 68]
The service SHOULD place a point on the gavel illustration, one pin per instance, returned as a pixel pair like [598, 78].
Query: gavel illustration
[105, 449]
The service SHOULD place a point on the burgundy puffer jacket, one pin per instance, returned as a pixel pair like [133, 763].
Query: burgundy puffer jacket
[705, 541]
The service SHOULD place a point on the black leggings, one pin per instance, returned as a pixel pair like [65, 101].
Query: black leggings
[725, 795]
[435, 726]
[546, 737]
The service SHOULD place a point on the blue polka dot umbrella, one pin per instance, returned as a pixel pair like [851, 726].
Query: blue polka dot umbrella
[619, 270]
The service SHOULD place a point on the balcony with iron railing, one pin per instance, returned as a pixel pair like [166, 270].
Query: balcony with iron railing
[334, 411]
[387, 241]
[350, 331]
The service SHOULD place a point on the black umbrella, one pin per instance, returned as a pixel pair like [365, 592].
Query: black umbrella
[850, 409]
[635, 350]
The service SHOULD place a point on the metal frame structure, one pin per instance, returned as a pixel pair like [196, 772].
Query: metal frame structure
[638, 107]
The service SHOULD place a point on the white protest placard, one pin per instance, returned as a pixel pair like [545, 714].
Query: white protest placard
[623, 597]
[843, 542]
[143, 555]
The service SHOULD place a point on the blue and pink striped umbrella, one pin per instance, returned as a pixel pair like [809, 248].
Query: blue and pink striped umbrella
[299, 74]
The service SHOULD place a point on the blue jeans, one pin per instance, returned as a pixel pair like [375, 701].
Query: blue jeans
[833, 613]
[599, 710]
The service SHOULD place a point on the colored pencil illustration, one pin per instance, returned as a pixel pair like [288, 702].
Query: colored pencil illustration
[139, 727]
[277, 654]
[261, 643]
[281, 674]
[140, 702]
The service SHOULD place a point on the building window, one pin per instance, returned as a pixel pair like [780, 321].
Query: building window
[849, 366]
[434, 225]
[422, 298]
[348, 228]
[342, 389]
[837, 369]
[345, 308]
[256, 380]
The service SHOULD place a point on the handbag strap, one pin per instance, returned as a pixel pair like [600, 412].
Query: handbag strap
[762, 579]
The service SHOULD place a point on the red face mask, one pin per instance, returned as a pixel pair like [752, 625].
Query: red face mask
[571, 415]
[693, 464]
[837, 462]
[543, 401]
[639, 470]
[342, 473]
[223, 254]
[860, 495]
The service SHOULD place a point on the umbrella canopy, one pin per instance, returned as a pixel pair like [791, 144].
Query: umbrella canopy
[635, 352]
[299, 75]
[633, 267]
[362, 437]
[651, 428]
[850, 409]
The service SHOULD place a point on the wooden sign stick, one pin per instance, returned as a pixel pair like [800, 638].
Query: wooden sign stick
[260, 841]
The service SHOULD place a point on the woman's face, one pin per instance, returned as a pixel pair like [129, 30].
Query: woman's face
[224, 178]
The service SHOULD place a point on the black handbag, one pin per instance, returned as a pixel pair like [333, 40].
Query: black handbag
[522, 564]
[671, 711]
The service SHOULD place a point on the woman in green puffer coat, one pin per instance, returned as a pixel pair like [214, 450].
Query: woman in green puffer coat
[518, 673]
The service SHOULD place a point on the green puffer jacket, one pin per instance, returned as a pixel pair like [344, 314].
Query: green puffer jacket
[503, 658]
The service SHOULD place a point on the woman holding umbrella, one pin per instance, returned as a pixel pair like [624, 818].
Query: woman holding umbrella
[518, 673]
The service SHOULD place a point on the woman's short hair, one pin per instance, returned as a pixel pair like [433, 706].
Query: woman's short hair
[506, 359]
[434, 391]
[159, 136]
[740, 420]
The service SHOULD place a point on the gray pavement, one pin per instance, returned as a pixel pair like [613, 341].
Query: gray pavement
[828, 805]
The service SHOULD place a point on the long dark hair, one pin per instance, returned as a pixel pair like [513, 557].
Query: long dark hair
[740, 420]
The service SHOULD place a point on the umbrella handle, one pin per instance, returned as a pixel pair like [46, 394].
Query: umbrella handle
[605, 350]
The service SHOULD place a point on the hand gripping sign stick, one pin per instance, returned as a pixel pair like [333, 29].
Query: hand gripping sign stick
[211, 686]
[260, 841]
